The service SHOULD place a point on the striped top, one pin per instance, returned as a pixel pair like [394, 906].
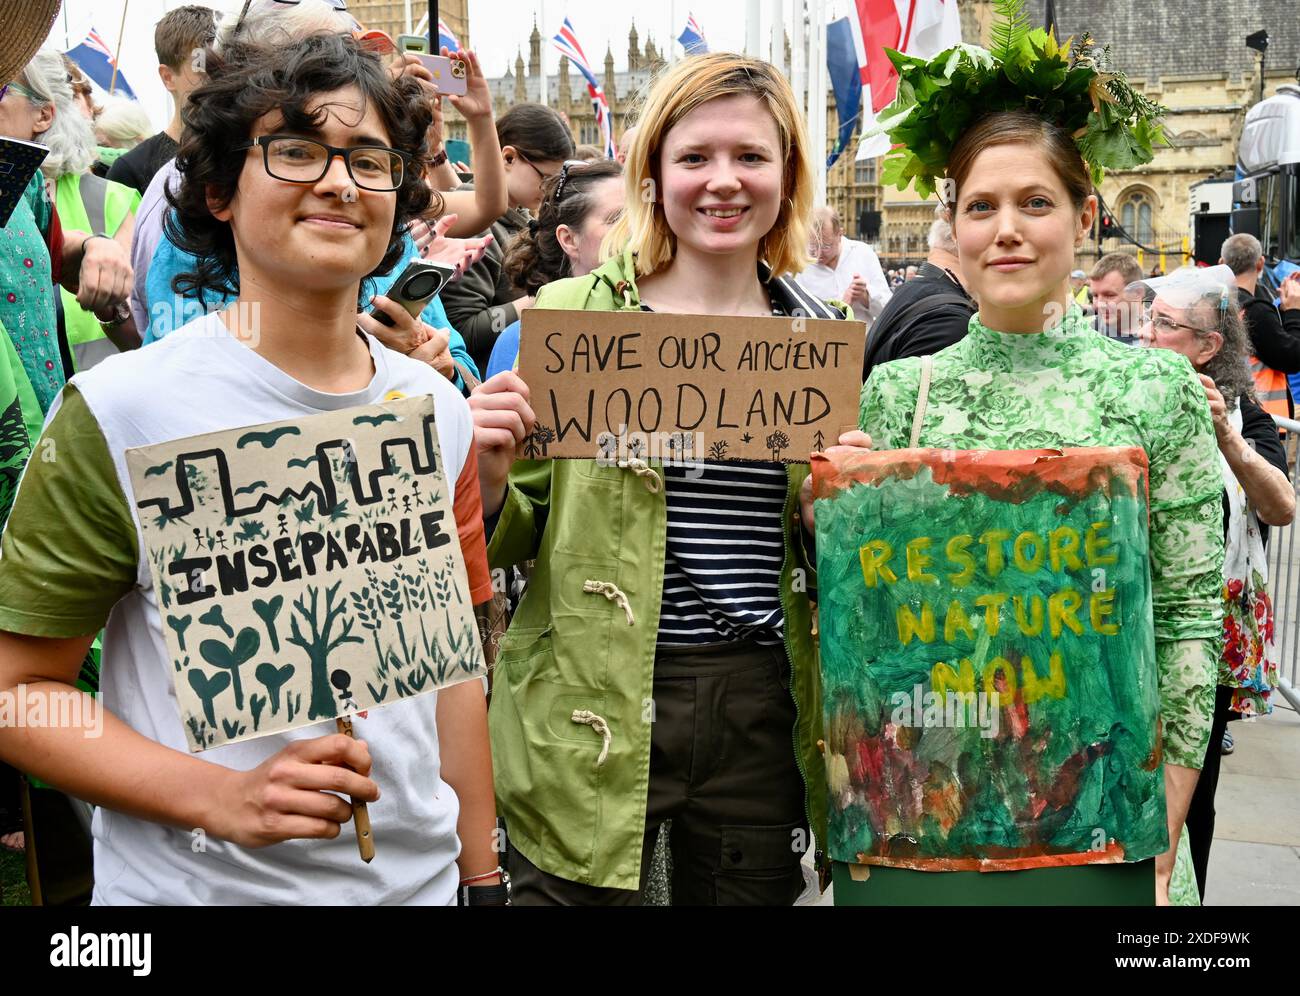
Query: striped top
[726, 535]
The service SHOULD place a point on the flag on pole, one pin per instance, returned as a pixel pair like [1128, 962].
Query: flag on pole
[445, 36]
[96, 60]
[922, 28]
[567, 43]
[692, 37]
[846, 81]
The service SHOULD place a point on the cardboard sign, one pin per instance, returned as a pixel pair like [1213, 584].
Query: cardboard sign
[305, 569]
[988, 658]
[609, 385]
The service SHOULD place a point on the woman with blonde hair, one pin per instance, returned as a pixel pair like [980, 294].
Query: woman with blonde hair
[660, 665]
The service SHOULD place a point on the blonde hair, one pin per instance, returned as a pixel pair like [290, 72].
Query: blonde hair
[690, 83]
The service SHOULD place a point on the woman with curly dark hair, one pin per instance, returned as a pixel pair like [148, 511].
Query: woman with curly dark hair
[300, 166]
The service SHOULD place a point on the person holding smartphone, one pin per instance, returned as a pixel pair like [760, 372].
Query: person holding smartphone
[300, 166]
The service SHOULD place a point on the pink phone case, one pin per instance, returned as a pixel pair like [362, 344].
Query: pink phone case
[450, 75]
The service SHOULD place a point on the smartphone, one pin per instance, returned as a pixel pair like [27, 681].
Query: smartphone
[415, 287]
[450, 75]
[413, 43]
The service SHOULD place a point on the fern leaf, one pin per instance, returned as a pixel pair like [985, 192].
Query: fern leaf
[1010, 28]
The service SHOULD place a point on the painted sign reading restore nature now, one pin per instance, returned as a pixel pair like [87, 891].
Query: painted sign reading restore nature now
[988, 658]
[627, 384]
[305, 569]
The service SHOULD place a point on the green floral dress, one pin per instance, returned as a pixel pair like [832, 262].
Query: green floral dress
[1069, 386]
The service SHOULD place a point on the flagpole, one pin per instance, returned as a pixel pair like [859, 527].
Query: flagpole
[408, 17]
[817, 94]
[753, 33]
[673, 43]
[542, 93]
[121, 31]
[799, 58]
[776, 50]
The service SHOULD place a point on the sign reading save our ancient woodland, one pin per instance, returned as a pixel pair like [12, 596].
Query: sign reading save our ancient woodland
[988, 658]
[625, 384]
[305, 570]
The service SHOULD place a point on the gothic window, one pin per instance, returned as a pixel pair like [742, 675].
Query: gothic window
[864, 172]
[1136, 216]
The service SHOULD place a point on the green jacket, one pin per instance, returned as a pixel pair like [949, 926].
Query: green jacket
[569, 649]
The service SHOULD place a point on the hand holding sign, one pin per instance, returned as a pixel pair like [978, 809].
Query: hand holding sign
[503, 419]
[854, 440]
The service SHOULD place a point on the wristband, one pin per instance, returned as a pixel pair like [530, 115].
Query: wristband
[484, 895]
[438, 158]
[498, 870]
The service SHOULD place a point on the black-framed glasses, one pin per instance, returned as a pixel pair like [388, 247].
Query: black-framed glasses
[304, 160]
[541, 177]
[565, 170]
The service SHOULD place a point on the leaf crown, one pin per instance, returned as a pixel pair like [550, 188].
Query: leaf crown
[1113, 126]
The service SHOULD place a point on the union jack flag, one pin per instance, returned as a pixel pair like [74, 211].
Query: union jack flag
[445, 36]
[96, 60]
[692, 37]
[567, 42]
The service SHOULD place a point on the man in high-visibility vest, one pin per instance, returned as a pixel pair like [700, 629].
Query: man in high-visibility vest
[1274, 352]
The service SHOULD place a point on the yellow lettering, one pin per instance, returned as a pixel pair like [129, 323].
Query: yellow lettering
[957, 553]
[1064, 541]
[909, 626]
[956, 619]
[1100, 605]
[875, 562]
[993, 540]
[992, 605]
[1061, 609]
[1035, 687]
[1094, 543]
[944, 679]
[1026, 563]
[918, 560]
[1007, 693]
[1035, 625]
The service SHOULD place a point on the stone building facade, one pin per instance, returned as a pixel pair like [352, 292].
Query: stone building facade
[390, 17]
[851, 187]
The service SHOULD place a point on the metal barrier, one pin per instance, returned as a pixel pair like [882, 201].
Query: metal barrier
[1284, 582]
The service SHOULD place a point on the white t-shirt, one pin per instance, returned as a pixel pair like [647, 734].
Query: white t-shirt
[828, 284]
[199, 380]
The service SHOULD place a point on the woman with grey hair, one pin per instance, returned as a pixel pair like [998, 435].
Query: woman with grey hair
[1195, 313]
[84, 201]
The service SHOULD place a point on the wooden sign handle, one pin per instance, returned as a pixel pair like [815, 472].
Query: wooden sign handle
[360, 814]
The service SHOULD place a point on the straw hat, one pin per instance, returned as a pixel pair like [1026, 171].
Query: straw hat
[27, 25]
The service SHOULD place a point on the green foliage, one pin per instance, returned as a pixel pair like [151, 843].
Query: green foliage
[1010, 29]
[1113, 125]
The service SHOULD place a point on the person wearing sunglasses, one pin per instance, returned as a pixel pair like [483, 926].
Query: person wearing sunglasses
[1194, 312]
[579, 205]
[301, 167]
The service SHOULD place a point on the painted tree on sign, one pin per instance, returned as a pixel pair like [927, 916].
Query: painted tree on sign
[319, 646]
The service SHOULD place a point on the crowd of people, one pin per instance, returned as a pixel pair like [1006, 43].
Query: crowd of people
[304, 166]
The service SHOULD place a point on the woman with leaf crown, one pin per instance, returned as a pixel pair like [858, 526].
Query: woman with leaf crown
[1015, 139]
